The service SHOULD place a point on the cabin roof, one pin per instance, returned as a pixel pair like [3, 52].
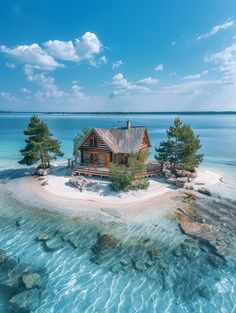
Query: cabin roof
[121, 140]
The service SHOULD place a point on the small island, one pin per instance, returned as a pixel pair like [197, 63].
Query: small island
[112, 173]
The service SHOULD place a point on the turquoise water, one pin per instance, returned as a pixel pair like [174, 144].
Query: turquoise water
[80, 279]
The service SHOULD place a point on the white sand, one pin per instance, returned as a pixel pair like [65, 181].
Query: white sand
[60, 186]
[207, 177]
[141, 206]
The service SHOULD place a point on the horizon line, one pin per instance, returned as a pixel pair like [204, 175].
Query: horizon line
[117, 112]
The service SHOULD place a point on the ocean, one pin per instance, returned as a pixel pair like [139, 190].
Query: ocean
[75, 279]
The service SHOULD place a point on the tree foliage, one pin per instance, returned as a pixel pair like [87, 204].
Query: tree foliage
[40, 146]
[180, 148]
[123, 176]
[78, 139]
[120, 176]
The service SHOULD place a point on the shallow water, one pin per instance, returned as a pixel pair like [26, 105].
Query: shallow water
[80, 280]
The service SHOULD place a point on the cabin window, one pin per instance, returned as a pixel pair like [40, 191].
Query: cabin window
[93, 142]
[93, 157]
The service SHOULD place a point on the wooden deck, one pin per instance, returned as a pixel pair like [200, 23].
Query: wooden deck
[153, 169]
[91, 170]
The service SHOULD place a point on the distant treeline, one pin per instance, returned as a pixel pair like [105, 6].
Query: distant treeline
[128, 113]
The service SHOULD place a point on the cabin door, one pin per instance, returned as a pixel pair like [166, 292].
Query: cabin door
[93, 158]
[107, 159]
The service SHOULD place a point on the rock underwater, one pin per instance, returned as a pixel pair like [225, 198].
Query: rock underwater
[23, 281]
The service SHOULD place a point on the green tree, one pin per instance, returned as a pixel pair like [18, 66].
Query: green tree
[123, 176]
[163, 151]
[190, 158]
[78, 139]
[40, 146]
[136, 163]
[120, 176]
[180, 148]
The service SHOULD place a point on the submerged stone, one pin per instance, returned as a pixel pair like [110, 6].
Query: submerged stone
[163, 265]
[166, 284]
[20, 221]
[177, 252]
[104, 243]
[3, 256]
[190, 250]
[125, 262]
[96, 259]
[140, 266]
[31, 280]
[154, 254]
[215, 260]
[204, 292]
[54, 244]
[27, 300]
[75, 240]
[116, 268]
[11, 273]
[150, 263]
[44, 237]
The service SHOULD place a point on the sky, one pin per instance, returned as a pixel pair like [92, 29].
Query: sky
[117, 55]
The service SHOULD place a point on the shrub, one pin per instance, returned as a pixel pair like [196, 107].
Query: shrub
[139, 184]
[120, 176]
[124, 177]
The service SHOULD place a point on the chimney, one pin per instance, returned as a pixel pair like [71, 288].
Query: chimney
[128, 124]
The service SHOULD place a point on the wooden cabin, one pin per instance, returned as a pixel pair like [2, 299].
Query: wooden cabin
[102, 146]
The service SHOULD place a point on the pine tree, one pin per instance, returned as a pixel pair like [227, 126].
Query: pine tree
[40, 146]
[181, 147]
[78, 139]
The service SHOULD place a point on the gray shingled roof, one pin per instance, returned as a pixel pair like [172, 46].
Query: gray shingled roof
[122, 140]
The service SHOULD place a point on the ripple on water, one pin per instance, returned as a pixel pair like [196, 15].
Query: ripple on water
[168, 283]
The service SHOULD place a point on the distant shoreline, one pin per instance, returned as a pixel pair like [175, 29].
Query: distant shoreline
[126, 113]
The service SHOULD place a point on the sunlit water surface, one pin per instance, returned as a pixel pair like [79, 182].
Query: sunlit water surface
[80, 280]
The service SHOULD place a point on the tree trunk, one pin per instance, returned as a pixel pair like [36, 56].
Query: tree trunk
[162, 167]
[174, 167]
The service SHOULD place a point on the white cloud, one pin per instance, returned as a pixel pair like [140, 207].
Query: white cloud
[32, 54]
[216, 29]
[117, 64]
[195, 76]
[226, 62]
[25, 90]
[84, 48]
[63, 50]
[192, 87]
[148, 81]
[100, 61]
[47, 83]
[103, 59]
[125, 88]
[7, 96]
[11, 65]
[77, 90]
[159, 67]
[87, 46]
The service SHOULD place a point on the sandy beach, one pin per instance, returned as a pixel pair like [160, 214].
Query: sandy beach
[58, 194]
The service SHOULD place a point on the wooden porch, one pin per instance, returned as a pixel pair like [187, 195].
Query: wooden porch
[153, 169]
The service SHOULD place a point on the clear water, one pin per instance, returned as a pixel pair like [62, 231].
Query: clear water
[75, 282]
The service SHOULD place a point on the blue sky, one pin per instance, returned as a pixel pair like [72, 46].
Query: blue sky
[117, 55]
